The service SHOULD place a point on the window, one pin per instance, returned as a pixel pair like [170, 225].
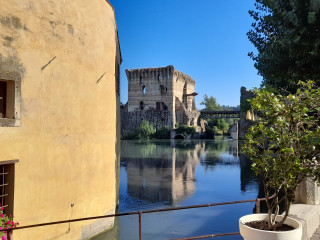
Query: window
[7, 169]
[160, 106]
[144, 90]
[10, 102]
[7, 98]
[141, 105]
[163, 90]
[3, 98]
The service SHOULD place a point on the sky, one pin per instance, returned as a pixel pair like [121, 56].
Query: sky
[205, 39]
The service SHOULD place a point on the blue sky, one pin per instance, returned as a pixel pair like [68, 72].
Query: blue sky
[205, 39]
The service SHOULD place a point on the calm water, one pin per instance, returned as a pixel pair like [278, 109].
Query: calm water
[163, 174]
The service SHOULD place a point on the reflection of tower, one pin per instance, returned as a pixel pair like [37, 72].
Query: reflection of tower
[183, 184]
[248, 177]
[166, 178]
[234, 148]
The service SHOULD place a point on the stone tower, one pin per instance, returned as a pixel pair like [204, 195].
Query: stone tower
[163, 96]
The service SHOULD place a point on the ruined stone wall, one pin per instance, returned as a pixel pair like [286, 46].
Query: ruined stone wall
[149, 86]
[184, 85]
[132, 120]
[245, 122]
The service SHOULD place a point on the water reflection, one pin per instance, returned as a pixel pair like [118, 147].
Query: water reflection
[248, 179]
[163, 172]
[160, 174]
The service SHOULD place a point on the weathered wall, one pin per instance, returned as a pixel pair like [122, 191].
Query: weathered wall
[244, 122]
[67, 142]
[158, 86]
[184, 85]
[132, 120]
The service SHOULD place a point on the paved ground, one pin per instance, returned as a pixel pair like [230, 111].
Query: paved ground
[316, 235]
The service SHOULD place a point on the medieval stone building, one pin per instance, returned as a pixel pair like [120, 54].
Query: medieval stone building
[163, 96]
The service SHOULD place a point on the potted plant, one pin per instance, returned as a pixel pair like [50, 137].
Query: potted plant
[284, 148]
[6, 222]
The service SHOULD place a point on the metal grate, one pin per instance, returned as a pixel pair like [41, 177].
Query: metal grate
[3, 184]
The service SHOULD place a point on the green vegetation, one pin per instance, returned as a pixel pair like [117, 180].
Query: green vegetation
[162, 133]
[210, 103]
[284, 145]
[217, 126]
[287, 37]
[147, 131]
[185, 130]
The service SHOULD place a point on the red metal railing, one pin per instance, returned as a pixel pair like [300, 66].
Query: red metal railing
[139, 213]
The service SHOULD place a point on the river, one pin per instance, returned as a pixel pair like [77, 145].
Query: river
[168, 173]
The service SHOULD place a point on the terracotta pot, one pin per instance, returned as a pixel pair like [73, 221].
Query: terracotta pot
[249, 233]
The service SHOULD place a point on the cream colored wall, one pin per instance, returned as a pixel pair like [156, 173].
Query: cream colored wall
[68, 141]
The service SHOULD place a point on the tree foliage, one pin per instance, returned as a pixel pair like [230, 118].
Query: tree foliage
[146, 130]
[185, 130]
[162, 133]
[217, 126]
[286, 34]
[284, 145]
[210, 103]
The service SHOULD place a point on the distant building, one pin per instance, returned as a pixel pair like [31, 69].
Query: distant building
[59, 115]
[163, 96]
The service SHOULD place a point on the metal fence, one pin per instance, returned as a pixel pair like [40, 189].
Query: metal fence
[139, 213]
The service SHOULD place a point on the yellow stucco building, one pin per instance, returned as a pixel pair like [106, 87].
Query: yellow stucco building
[59, 115]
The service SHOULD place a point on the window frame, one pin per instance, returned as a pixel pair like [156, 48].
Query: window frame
[13, 99]
[7, 178]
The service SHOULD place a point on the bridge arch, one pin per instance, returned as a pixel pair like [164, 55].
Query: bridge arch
[178, 136]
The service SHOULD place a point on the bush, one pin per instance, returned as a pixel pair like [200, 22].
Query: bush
[129, 135]
[209, 132]
[219, 126]
[185, 130]
[163, 133]
[146, 130]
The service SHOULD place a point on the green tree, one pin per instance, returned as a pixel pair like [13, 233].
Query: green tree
[210, 103]
[185, 130]
[219, 126]
[163, 133]
[146, 130]
[286, 34]
[284, 145]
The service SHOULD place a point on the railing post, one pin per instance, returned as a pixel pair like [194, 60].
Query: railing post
[140, 235]
[10, 235]
[258, 205]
